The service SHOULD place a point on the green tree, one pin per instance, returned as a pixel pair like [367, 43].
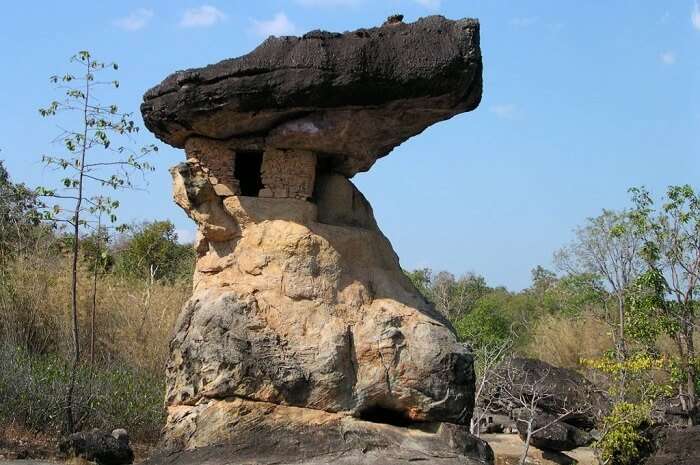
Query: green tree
[150, 251]
[490, 322]
[421, 280]
[90, 127]
[453, 297]
[19, 215]
[666, 294]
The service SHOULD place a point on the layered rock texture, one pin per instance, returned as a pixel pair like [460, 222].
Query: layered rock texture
[304, 342]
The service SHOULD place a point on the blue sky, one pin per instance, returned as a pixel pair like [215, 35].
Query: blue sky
[581, 101]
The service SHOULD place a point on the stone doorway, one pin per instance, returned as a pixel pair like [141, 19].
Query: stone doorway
[248, 171]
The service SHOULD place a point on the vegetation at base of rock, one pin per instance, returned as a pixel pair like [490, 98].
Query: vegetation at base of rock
[124, 386]
[625, 312]
[32, 388]
[624, 440]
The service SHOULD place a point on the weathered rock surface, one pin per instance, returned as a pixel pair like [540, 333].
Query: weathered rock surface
[679, 446]
[292, 311]
[304, 342]
[671, 412]
[261, 433]
[101, 447]
[350, 97]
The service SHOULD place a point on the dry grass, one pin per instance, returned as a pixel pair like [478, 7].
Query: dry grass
[564, 342]
[133, 318]
[124, 387]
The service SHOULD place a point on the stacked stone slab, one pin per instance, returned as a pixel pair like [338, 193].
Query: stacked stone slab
[304, 342]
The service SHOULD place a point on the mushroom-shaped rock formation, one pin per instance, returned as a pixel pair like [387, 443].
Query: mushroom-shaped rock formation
[304, 339]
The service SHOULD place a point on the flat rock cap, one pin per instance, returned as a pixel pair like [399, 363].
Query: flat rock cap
[349, 97]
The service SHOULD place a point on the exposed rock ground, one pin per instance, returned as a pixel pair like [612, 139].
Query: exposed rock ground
[508, 448]
[304, 342]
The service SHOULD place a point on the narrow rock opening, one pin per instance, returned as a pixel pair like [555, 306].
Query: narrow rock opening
[386, 416]
[248, 171]
[323, 167]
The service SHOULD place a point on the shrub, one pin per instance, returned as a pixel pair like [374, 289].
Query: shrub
[32, 390]
[151, 251]
[624, 440]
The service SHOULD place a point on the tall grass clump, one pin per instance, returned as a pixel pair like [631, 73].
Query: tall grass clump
[565, 341]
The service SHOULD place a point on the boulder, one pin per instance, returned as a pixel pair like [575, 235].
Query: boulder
[678, 446]
[99, 446]
[303, 338]
[558, 436]
[565, 388]
[560, 390]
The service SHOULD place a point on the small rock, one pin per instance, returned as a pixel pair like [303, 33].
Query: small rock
[559, 436]
[393, 19]
[99, 446]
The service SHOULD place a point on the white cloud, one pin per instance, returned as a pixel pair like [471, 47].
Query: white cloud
[506, 110]
[328, 3]
[523, 21]
[695, 15]
[430, 4]
[137, 19]
[668, 58]
[280, 25]
[203, 16]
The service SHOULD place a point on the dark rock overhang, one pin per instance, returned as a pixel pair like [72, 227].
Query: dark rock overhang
[349, 97]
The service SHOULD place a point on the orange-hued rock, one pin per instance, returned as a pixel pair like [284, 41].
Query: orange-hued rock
[294, 311]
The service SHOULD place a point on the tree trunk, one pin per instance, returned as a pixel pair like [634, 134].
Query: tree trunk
[528, 437]
[70, 423]
[689, 369]
[621, 347]
[70, 418]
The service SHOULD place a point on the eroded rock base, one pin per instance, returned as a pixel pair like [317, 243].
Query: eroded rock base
[259, 433]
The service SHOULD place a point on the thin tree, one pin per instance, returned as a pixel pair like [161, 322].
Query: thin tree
[527, 394]
[607, 246]
[487, 357]
[84, 175]
[667, 293]
[99, 264]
